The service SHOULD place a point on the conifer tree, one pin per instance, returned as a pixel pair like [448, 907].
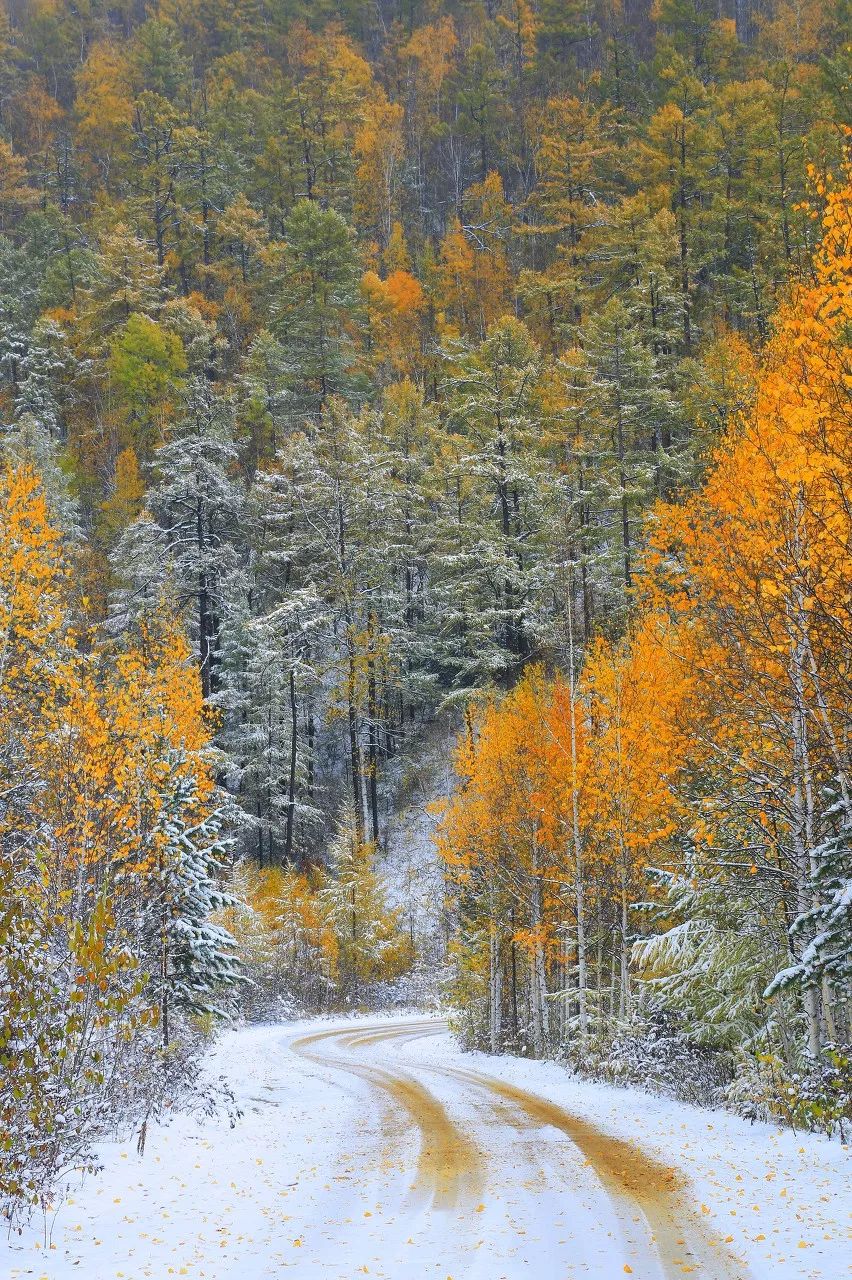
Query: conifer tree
[186, 536]
[315, 313]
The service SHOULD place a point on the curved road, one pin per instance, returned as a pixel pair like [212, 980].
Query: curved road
[512, 1184]
[375, 1148]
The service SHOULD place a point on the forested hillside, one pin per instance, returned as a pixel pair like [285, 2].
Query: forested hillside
[369, 368]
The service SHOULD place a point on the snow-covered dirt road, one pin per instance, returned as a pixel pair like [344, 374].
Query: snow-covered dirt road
[373, 1147]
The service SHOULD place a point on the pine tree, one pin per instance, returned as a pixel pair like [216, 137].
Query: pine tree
[197, 961]
[496, 497]
[193, 512]
[18, 310]
[268, 691]
[42, 371]
[821, 936]
[626, 414]
[316, 309]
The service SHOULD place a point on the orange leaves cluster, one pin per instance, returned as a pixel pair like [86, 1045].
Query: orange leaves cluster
[637, 695]
[105, 738]
[473, 278]
[756, 566]
[310, 931]
[395, 306]
[429, 53]
[135, 729]
[522, 778]
[31, 580]
[286, 926]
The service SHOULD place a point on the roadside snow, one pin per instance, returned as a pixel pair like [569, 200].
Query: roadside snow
[316, 1180]
[782, 1200]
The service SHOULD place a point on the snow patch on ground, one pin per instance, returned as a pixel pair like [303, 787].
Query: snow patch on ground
[315, 1180]
[783, 1198]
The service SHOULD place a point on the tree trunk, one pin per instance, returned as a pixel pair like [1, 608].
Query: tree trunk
[538, 978]
[624, 993]
[495, 993]
[622, 468]
[205, 619]
[291, 780]
[354, 749]
[373, 729]
[514, 973]
[802, 831]
[579, 884]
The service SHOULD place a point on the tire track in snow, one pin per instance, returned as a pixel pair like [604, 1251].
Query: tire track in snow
[632, 1179]
[450, 1165]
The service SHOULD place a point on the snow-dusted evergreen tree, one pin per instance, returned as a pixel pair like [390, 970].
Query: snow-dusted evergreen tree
[711, 964]
[42, 373]
[323, 514]
[821, 937]
[267, 690]
[495, 483]
[195, 959]
[141, 564]
[407, 437]
[371, 944]
[189, 536]
[625, 415]
[18, 311]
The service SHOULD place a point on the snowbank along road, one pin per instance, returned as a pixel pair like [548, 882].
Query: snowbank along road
[375, 1148]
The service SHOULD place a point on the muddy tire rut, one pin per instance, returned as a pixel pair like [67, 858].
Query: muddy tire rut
[652, 1199]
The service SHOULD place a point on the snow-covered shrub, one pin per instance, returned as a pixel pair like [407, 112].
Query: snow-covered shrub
[70, 1011]
[817, 1097]
[83, 1044]
[655, 1052]
[178, 1084]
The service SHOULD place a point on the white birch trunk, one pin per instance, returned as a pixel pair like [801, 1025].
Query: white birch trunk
[495, 991]
[579, 885]
[803, 804]
[624, 992]
[538, 979]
